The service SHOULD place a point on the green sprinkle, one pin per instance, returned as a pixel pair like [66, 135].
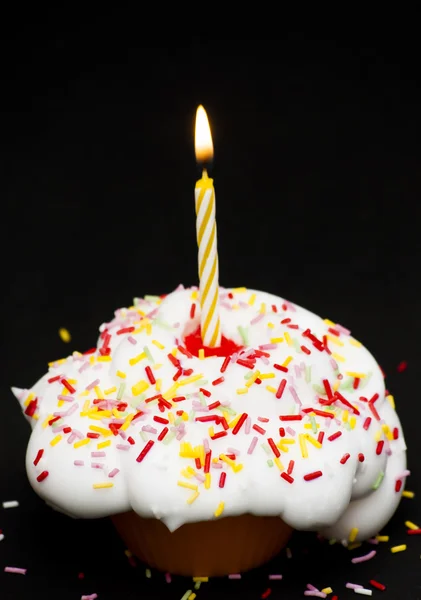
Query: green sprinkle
[201, 382]
[148, 573]
[320, 390]
[227, 409]
[148, 354]
[347, 384]
[186, 595]
[266, 448]
[152, 298]
[248, 375]
[121, 390]
[202, 399]
[297, 345]
[191, 415]
[270, 462]
[332, 541]
[197, 585]
[143, 435]
[307, 374]
[244, 334]
[378, 481]
[137, 301]
[178, 421]
[313, 424]
[162, 324]
[169, 438]
[365, 381]
[347, 426]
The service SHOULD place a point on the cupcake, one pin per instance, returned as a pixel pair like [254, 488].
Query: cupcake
[207, 459]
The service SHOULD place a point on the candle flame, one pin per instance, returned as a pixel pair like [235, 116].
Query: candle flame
[203, 138]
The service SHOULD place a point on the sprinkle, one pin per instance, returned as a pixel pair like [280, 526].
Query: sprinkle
[353, 534]
[414, 531]
[42, 476]
[252, 445]
[400, 548]
[287, 477]
[241, 391]
[15, 570]
[411, 525]
[79, 463]
[38, 456]
[363, 592]
[378, 481]
[408, 494]
[402, 366]
[158, 344]
[303, 446]
[334, 436]
[113, 473]
[275, 577]
[344, 458]
[266, 594]
[100, 486]
[64, 335]
[222, 478]
[377, 585]
[353, 586]
[239, 423]
[360, 559]
[382, 538]
[145, 451]
[311, 476]
[120, 374]
[219, 509]
[139, 387]
[281, 389]
[56, 440]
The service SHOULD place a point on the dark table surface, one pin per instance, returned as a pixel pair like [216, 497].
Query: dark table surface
[317, 175]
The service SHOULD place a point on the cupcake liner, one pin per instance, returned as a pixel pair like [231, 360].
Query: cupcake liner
[204, 549]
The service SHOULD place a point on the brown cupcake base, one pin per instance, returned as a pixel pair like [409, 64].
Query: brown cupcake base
[205, 549]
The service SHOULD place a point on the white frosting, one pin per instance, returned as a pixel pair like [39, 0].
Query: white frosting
[342, 499]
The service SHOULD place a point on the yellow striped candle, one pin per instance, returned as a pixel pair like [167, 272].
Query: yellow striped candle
[206, 236]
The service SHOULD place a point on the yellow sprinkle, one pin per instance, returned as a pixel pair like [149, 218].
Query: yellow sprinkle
[266, 375]
[190, 471]
[312, 440]
[242, 391]
[191, 379]
[271, 326]
[47, 420]
[338, 357]
[288, 338]
[121, 374]
[356, 375]
[158, 385]
[201, 354]
[57, 362]
[136, 359]
[30, 397]
[277, 340]
[271, 389]
[220, 509]
[252, 379]
[309, 426]
[382, 538]
[207, 481]
[189, 486]
[400, 548]
[262, 308]
[287, 361]
[201, 579]
[100, 486]
[353, 422]
[98, 392]
[110, 391]
[171, 417]
[64, 334]
[411, 525]
[378, 435]
[278, 463]
[192, 498]
[171, 392]
[92, 359]
[158, 344]
[192, 596]
[355, 343]
[103, 444]
[303, 447]
[239, 290]
[103, 359]
[252, 299]
[80, 443]
[174, 351]
[391, 401]
[185, 416]
[345, 416]
[327, 590]
[100, 430]
[127, 422]
[407, 494]
[140, 387]
[328, 322]
[56, 440]
[353, 534]
[86, 393]
[335, 340]
[385, 428]
[194, 295]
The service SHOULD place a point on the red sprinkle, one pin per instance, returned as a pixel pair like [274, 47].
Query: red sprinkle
[67, 429]
[145, 450]
[285, 321]
[374, 411]
[198, 463]
[239, 423]
[192, 310]
[245, 363]
[266, 594]
[219, 435]
[356, 383]
[31, 408]
[287, 477]
[178, 374]
[125, 330]
[274, 309]
[67, 385]
[90, 351]
[398, 485]
[178, 398]
[185, 352]
[274, 448]
[259, 429]
[114, 427]
[208, 457]
[327, 388]
[213, 405]
[305, 349]
[224, 423]
[282, 432]
[361, 457]
[402, 366]
[52, 421]
[165, 403]
[377, 585]
[314, 475]
[320, 437]
[367, 423]
[57, 377]
[344, 458]
[161, 420]
[131, 440]
[150, 375]
[187, 372]
[334, 331]
[174, 360]
[320, 413]
[218, 381]
[290, 417]
[280, 389]
[42, 476]
[163, 434]
[222, 478]
[205, 392]
[38, 456]
[225, 364]
[92, 436]
[379, 447]
[348, 404]
[137, 415]
[290, 467]
[395, 433]
[414, 532]
[207, 418]
[280, 368]
[334, 436]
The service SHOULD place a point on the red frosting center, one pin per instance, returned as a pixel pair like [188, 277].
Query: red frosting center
[193, 344]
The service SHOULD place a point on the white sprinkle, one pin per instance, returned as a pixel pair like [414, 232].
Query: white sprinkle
[363, 592]
[1, 537]
[10, 504]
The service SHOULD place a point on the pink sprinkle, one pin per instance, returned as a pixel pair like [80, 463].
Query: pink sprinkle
[132, 340]
[294, 395]
[97, 465]
[92, 385]
[123, 446]
[65, 398]
[217, 465]
[290, 431]
[149, 429]
[167, 577]
[200, 477]
[364, 558]
[264, 360]
[342, 329]
[263, 419]
[84, 367]
[71, 438]
[79, 463]
[297, 371]
[315, 594]
[15, 570]
[373, 541]
[113, 473]
[71, 410]
[247, 426]
[353, 586]
[234, 576]
[233, 451]
[275, 577]
[312, 588]
[252, 445]
[404, 474]
[268, 346]
[122, 434]
[334, 364]
[257, 319]
[78, 434]
[89, 597]
[206, 445]
[100, 454]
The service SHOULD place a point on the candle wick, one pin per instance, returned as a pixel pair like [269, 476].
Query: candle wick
[204, 174]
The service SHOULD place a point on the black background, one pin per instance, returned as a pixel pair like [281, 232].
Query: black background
[318, 185]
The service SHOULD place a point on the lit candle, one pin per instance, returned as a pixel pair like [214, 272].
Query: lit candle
[206, 236]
